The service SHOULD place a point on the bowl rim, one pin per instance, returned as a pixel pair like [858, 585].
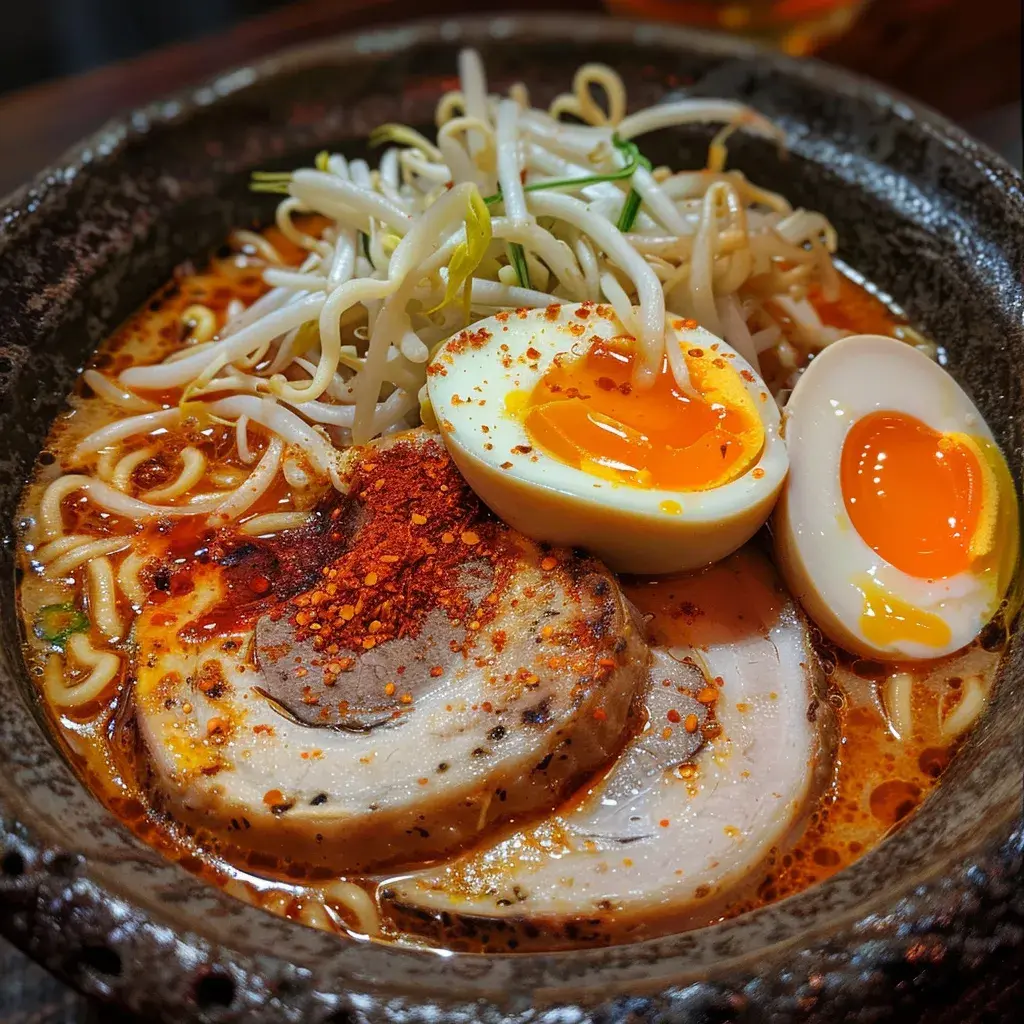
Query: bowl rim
[650, 965]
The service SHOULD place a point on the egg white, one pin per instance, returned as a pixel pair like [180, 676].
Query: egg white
[824, 560]
[628, 527]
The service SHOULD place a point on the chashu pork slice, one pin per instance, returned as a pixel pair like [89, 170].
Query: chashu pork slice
[442, 675]
[738, 746]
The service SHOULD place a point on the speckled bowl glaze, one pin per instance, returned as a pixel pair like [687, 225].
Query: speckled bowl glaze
[928, 925]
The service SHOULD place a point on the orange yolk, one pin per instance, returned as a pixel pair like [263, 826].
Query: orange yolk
[586, 413]
[886, 619]
[915, 496]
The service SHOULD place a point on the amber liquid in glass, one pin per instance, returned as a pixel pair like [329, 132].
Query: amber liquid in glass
[796, 26]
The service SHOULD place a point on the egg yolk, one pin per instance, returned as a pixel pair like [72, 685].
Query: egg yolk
[586, 413]
[887, 619]
[916, 496]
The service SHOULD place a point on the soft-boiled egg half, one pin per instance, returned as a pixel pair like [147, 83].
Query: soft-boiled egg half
[898, 526]
[545, 418]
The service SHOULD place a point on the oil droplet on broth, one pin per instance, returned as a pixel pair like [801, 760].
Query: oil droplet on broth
[892, 801]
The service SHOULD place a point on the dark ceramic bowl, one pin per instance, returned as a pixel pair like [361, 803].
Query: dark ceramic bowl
[930, 924]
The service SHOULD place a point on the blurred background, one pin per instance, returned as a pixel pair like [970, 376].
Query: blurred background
[68, 65]
[60, 37]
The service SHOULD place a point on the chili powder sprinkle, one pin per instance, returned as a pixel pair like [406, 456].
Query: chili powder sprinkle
[410, 502]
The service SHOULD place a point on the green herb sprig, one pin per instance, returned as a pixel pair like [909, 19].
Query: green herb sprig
[56, 623]
[631, 207]
[634, 160]
[517, 257]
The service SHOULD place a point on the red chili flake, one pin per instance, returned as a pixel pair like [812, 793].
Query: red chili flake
[259, 584]
[412, 507]
[674, 716]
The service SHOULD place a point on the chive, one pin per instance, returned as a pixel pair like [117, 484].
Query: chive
[275, 182]
[270, 187]
[57, 622]
[631, 207]
[366, 247]
[633, 161]
[517, 257]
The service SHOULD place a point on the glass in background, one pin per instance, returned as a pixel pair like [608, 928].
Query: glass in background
[796, 26]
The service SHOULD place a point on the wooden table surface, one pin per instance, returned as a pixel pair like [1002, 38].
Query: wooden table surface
[961, 56]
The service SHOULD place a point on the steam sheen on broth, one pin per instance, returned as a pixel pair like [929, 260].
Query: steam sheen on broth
[302, 589]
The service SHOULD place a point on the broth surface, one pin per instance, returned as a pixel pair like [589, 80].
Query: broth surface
[880, 776]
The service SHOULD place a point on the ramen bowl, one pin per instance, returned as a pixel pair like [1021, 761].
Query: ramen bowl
[931, 921]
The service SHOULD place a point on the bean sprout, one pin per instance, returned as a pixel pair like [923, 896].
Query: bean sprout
[116, 395]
